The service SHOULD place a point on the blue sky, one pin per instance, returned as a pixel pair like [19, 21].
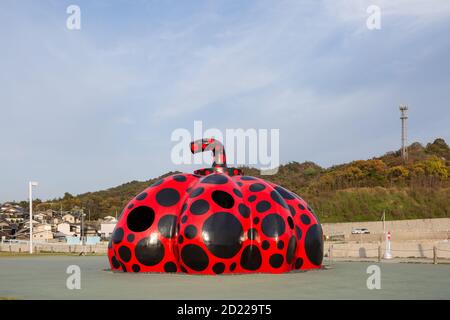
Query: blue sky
[90, 109]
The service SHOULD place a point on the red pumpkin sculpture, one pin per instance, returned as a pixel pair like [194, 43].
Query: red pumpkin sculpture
[216, 221]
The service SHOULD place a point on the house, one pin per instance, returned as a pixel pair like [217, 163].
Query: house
[41, 217]
[12, 213]
[89, 231]
[42, 231]
[70, 218]
[64, 228]
[106, 229]
[110, 219]
[5, 229]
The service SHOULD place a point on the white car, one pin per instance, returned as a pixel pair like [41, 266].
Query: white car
[360, 231]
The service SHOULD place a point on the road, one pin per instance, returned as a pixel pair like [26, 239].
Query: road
[44, 277]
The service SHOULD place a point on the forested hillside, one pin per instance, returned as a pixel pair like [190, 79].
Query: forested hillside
[356, 191]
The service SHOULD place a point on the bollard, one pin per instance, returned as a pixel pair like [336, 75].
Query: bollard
[10, 249]
[330, 253]
[70, 249]
[20, 249]
[51, 248]
[435, 255]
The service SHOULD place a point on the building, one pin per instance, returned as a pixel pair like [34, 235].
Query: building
[42, 231]
[70, 218]
[64, 227]
[106, 229]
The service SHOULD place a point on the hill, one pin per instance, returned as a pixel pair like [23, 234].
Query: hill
[355, 191]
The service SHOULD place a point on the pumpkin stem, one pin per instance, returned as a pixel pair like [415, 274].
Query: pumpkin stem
[210, 144]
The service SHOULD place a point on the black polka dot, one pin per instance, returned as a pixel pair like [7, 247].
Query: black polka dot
[273, 225]
[301, 207]
[244, 210]
[184, 207]
[278, 199]
[188, 190]
[180, 239]
[179, 178]
[240, 184]
[130, 237]
[183, 269]
[251, 258]
[130, 206]
[292, 210]
[149, 252]
[298, 263]
[251, 198]
[292, 246]
[124, 253]
[115, 263]
[237, 193]
[290, 222]
[117, 235]
[265, 245]
[140, 219]
[256, 220]
[124, 268]
[219, 268]
[142, 196]
[136, 268]
[256, 187]
[263, 206]
[194, 257]
[314, 244]
[167, 197]
[276, 260]
[170, 267]
[248, 178]
[284, 193]
[196, 192]
[199, 207]
[280, 244]
[233, 266]
[190, 232]
[167, 225]
[305, 219]
[252, 234]
[298, 232]
[215, 179]
[184, 219]
[223, 199]
[222, 234]
[157, 183]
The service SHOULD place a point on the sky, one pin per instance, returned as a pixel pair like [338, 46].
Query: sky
[85, 110]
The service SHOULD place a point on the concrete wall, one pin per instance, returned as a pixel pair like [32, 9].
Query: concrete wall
[419, 229]
[55, 247]
[399, 249]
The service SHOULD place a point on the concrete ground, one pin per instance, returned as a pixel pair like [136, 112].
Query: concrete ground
[44, 277]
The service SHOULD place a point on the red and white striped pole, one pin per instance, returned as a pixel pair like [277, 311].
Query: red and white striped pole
[387, 252]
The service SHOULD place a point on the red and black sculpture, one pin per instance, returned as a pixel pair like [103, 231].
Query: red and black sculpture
[216, 221]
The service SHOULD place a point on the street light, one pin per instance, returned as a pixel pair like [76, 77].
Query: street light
[30, 192]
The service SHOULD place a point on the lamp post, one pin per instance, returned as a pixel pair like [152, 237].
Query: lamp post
[30, 192]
